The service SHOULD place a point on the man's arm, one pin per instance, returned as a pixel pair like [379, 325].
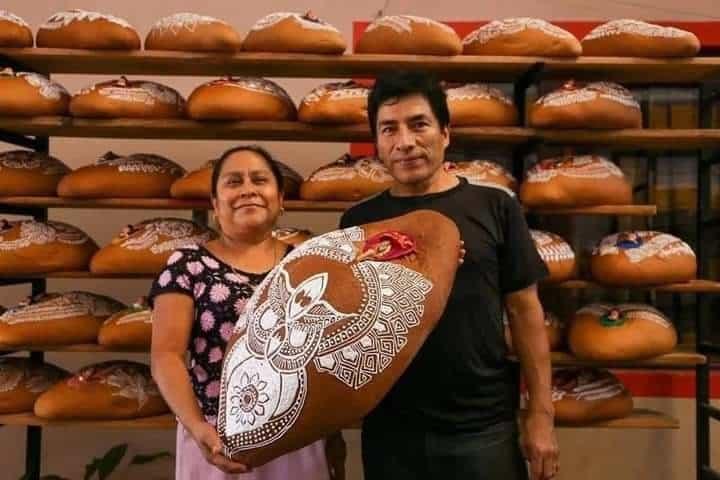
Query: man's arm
[527, 328]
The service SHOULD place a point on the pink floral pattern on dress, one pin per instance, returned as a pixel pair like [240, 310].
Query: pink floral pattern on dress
[219, 294]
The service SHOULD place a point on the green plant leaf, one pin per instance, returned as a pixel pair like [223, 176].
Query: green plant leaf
[111, 460]
[143, 459]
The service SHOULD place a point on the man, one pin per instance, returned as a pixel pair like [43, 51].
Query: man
[452, 415]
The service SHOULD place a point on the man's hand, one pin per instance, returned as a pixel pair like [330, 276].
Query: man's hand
[210, 445]
[336, 453]
[540, 446]
[461, 257]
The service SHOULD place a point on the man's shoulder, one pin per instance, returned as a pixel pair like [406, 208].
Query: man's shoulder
[366, 208]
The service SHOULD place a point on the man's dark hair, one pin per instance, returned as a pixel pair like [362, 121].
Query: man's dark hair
[402, 84]
[264, 154]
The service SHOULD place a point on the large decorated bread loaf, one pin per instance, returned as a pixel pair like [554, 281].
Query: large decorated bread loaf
[586, 395]
[130, 328]
[635, 38]
[30, 246]
[113, 390]
[241, 98]
[14, 31]
[575, 181]
[557, 254]
[484, 173]
[554, 328]
[335, 323]
[642, 258]
[144, 248]
[335, 103]
[522, 37]
[23, 380]
[28, 173]
[25, 94]
[119, 176]
[125, 98]
[83, 29]
[605, 332]
[191, 32]
[294, 33]
[409, 34]
[56, 319]
[597, 105]
[479, 105]
[197, 184]
[348, 178]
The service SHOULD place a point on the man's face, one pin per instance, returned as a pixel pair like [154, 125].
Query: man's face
[409, 140]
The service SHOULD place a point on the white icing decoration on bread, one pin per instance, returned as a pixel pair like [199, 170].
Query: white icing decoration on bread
[12, 18]
[180, 234]
[511, 26]
[255, 84]
[635, 27]
[581, 166]
[632, 311]
[139, 163]
[404, 23]
[590, 92]
[65, 18]
[654, 243]
[144, 316]
[477, 91]
[148, 93]
[127, 380]
[57, 307]
[46, 87]
[277, 17]
[481, 173]
[42, 233]
[34, 377]
[26, 160]
[335, 92]
[368, 168]
[551, 247]
[178, 22]
[589, 386]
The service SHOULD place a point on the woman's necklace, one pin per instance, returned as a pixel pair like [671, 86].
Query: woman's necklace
[232, 267]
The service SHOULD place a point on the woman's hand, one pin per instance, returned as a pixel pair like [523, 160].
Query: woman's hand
[211, 447]
[461, 257]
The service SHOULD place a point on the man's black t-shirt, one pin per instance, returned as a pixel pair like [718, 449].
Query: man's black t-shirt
[461, 380]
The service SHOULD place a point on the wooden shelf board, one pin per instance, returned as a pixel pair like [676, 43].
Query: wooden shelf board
[636, 139]
[84, 274]
[693, 286]
[461, 67]
[639, 419]
[155, 203]
[81, 348]
[160, 422]
[625, 210]
[683, 357]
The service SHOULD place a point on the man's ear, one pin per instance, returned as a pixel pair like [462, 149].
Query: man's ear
[446, 136]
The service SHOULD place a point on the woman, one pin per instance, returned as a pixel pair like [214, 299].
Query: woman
[196, 301]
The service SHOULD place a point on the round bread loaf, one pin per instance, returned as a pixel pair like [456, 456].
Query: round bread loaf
[635, 38]
[575, 181]
[30, 246]
[605, 332]
[335, 323]
[56, 319]
[408, 34]
[553, 326]
[287, 32]
[598, 105]
[87, 30]
[114, 390]
[292, 236]
[484, 173]
[642, 258]
[241, 98]
[129, 329]
[116, 176]
[23, 380]
[348, 178]
[479, 105]
[29, 173]
[24, 94]
[125, 98]
[557, 255]
[14, 31]
[145, 248]
[191, 32]
[196, 184]
[586, 395]
[522, 36]
[340, 103]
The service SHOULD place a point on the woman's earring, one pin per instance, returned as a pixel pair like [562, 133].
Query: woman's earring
[282, 210]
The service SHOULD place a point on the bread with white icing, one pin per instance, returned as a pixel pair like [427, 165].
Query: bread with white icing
[635, 38]
[30, 173]
[521, 36]
[290, 32]
[480, 105]
[586, 395]
[129, 329]
[557, 254]
[14, 31]
[409, 34]
[191, 32]
[26, 94]
[123, 98]
[23, 380]
[336, 103]
[82, 29]
[349, 178]
[484, 173]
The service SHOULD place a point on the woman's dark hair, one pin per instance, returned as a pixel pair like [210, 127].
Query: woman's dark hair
[402, 84]
[271, 162]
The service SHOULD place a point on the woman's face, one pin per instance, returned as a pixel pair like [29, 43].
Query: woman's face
[248, 200]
